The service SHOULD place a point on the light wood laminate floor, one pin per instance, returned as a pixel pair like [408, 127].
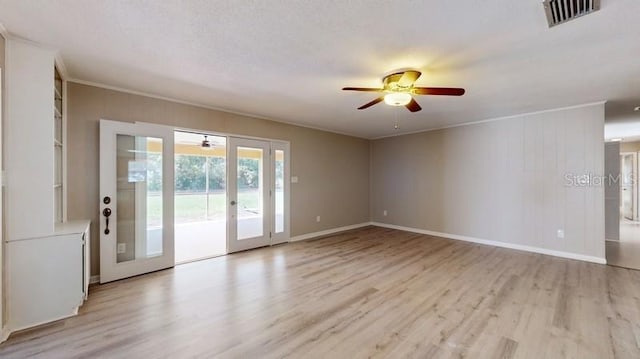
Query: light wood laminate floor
[371, 292]
[625, 252]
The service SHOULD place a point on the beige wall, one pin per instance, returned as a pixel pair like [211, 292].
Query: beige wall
[501, 181]
[333, 170]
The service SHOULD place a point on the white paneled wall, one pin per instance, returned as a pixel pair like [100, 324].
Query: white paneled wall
[500, 181]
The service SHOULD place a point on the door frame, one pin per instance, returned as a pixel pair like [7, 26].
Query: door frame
[168, 203]
[110, 270]
[280, 144]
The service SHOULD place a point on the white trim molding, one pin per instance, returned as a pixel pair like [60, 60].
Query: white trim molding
[4, 334]
[205, 106]
[3, 31]
[501, 118]
[327, 232]
[518, 247]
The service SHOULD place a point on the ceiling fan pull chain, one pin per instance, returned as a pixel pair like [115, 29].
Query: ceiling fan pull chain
[396, 125]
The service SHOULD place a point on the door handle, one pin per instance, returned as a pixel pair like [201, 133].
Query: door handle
[106, 213]
[233, 203]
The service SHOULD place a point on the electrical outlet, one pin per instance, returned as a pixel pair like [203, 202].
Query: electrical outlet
[294, 179]
[560, 233]
[122, 248]
[318, 219]
[384, 213]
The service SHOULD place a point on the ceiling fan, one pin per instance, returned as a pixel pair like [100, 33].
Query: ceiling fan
[206, 144]
[398, 89]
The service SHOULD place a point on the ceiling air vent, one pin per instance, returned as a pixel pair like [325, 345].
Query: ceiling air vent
[561, 11]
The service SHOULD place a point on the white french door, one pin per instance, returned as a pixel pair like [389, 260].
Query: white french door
[136, 199]
[258, 203]
[249, 207]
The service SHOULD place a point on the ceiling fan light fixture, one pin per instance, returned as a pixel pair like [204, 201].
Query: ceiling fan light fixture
[397, 98]
[206, 144]
[398, 90]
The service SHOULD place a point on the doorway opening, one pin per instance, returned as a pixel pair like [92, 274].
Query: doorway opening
[170, 196]
[622, 196]
[200, 196]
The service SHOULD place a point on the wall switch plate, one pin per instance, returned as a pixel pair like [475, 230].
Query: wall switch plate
[122, 248]
[384, 213]
[294, 179]
[560, 233]
[318, 219]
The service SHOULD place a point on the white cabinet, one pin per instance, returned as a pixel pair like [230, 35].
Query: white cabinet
[80, 228]
[47, 262]
[48, 277]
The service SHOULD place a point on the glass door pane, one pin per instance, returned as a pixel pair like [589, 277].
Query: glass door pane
[139, 193]
[250, 170]
[279, 190]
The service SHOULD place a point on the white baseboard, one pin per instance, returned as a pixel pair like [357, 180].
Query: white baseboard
[96, 278]
[327, 232]
[4, 334]
[518, 247]
[73, 313]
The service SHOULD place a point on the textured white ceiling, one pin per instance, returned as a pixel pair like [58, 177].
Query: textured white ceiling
[287, 60]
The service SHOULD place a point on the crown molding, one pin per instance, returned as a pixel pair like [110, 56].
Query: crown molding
[62, 68]
[495, 119]
[3, 31]
[200, 105]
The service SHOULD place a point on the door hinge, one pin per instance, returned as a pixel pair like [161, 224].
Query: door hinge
[269, 234]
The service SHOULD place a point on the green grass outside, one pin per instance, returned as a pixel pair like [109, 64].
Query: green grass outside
[192, 207]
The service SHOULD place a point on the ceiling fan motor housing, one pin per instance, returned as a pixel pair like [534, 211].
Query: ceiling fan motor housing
[391, 83]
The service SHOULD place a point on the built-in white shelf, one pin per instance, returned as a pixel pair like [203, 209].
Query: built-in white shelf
[58, 148]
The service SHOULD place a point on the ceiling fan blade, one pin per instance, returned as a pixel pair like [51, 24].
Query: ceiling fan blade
[409, 78]
[443, 91]
[413, 106]
[367, 89]
[367, 105]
